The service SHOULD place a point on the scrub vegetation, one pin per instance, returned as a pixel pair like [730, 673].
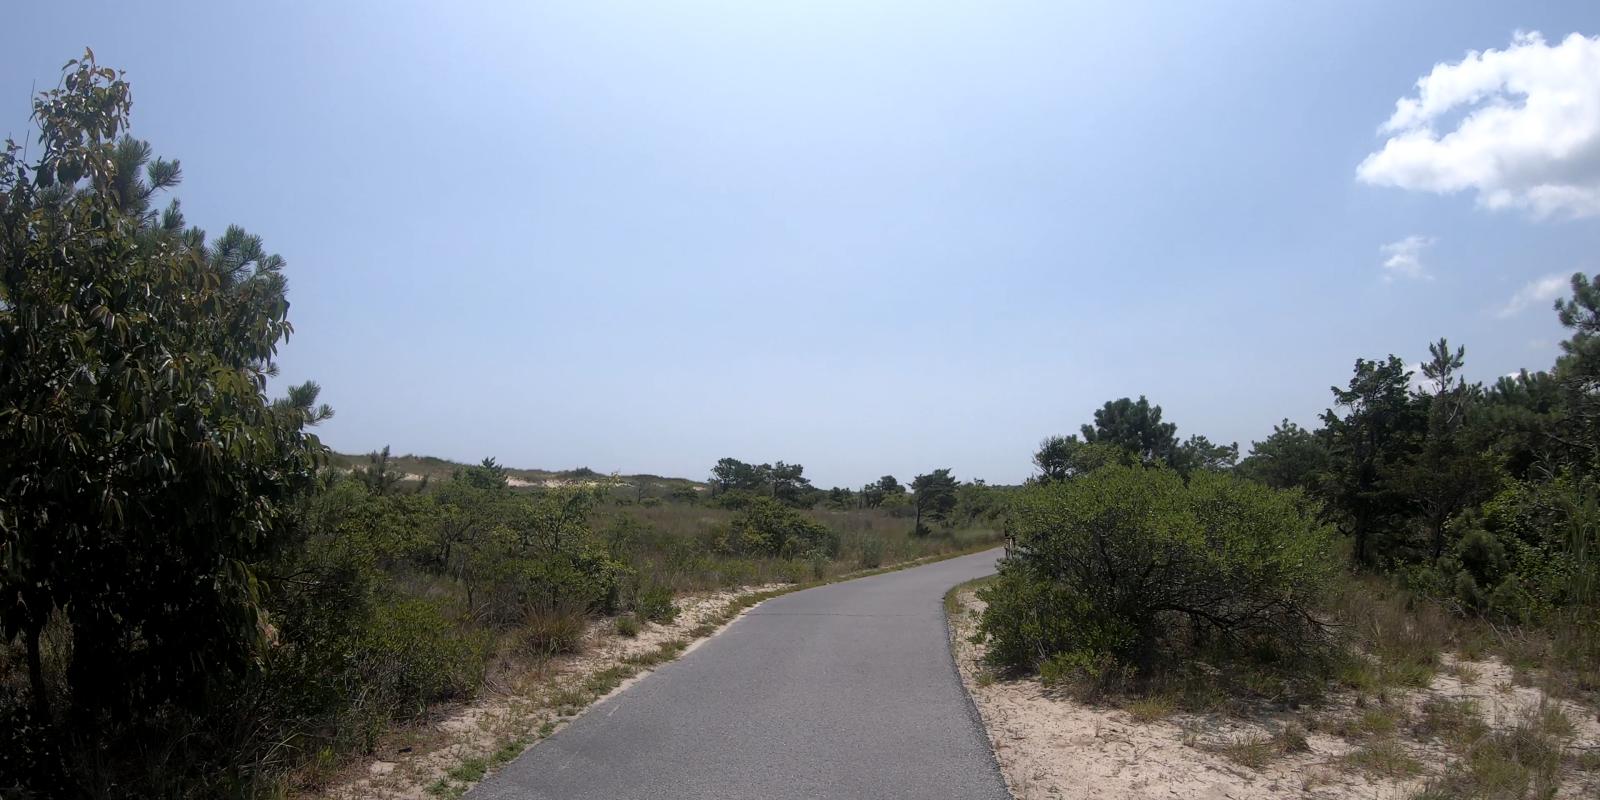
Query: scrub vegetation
[1429, 528]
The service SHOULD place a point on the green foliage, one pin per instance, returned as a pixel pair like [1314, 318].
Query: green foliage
[1370, 445]
[654, 603]
[876, 493]
[628, 625]
[872, 553]
[1111, 567]
[767, 527]
[1125, 431]
[1291, 458]
[785, 483]
[1134, 427]
[934, 497]
[1526, 553]
[148, 474]
[411, 656]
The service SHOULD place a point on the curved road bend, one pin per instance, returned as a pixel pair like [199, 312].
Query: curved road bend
[842, 691]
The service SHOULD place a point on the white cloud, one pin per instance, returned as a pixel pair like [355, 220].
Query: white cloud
[1416, 381]
[1535, 292]
[1526, 129]
[1404, 258]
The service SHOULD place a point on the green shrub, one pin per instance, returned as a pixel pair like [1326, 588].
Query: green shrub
[767, 527]
[1113, 566]
[628, 625]
[1531, 550]
[581, 575]
[412, 656]
[655, 604]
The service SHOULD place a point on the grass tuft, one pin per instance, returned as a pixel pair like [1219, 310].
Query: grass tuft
[1386, 758]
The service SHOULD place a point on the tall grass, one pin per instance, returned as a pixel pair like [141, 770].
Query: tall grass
[672, 545]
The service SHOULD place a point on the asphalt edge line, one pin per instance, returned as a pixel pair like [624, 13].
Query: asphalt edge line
[973, 714]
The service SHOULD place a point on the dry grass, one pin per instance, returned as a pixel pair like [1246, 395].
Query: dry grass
[1385, 758]
[553, 629]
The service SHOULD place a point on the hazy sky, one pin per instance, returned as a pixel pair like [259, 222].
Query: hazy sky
[865, 236]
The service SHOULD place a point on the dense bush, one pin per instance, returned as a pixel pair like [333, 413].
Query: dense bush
[411, 655]
[767, 527]
[1112, 567]
[1532, 549]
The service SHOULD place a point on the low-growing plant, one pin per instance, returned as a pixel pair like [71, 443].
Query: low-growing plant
[654, 603]
[1384, 757]
[1457, 722]
[628, 626]
[1254, 751]
[554, 628]
[871, 553]
[1505, 765]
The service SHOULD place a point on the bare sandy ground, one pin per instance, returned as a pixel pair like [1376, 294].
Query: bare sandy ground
[1052, 747]
[526, 704]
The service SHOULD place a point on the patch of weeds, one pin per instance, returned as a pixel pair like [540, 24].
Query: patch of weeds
[1551, 721]
[1376, 722]
[547, 728]
[1586, 761]
[1402, 633]
[1465, 673]
[628, 626]
[1358, 673]
[985, 677]
[602, 682]
[446, 789]
[568, 696]
[655, 604]
[1151, 708]
[1412, 673]
[1292, 739]
[1509, 765]
[550, 629]
[1258, 750]
[1386, 758]
[1454, 721]
[510, 750]
[1254, 751]
[469, 771]
[666, 651]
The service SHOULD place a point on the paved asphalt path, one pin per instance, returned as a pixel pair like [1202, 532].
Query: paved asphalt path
[842, 691]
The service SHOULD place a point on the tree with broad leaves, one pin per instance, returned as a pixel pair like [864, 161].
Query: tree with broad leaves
[148, 474]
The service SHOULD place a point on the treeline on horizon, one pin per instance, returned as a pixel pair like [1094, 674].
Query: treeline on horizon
[1481, 494]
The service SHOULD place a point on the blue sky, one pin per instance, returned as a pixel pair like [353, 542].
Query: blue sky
[868, 237]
